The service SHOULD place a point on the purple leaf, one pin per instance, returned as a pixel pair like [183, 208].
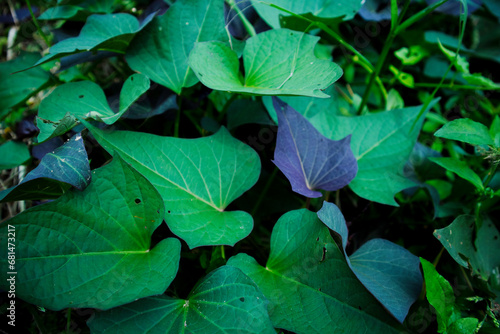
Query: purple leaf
[307, 158]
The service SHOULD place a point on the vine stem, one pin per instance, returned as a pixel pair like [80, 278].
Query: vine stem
[35, 21]
[178, 118]
[248, 26]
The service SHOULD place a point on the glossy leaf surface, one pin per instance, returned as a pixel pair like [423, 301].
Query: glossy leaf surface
[110, 32]
[197, 179]
[103, 235]
[68, 164]
[161, 51]
[225, 301]
[85, 100]
[310, 286]
[388, 271]
[276, 62]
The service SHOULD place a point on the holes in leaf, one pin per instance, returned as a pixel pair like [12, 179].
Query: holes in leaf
[137, 201]
[242, 299]
[158, 211]
[131, 78]
[168, 211]
[81, 96]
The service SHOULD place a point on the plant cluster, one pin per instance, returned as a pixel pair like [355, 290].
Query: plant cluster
[210, 166]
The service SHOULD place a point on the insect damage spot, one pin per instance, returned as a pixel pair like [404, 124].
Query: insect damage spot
[137, 201]
[81, 96]
[242, 299]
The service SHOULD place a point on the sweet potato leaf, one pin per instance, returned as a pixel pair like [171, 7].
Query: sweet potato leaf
[310, 287]
[381, 143]
[308, 159]
[67, 164]
[197, 179]
[109, 32]
[225, 301]
[388, 271]
[84, 100]
[92, 248]
[161, 51]
[320, 9]
[276, 62]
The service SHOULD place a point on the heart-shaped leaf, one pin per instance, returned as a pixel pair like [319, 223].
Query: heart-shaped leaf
[225, 301]
[67, 164]
[317, 8]
[308, 159]
[381, 142]
[58, 112]
[91, 248]
[161, 50]
[110, 32]
[197, 179]
[276, 62]
[388, 271]
[310, 287]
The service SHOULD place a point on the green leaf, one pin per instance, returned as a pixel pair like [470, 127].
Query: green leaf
[13, 154]
[404, 78]
[467, 131]
[276, 62]
[481, 252]
[394, 100]
[66, 165]
[439, 294]
[197, 179]
[161, 51]
[478, 80]
[388, 271]
[110, 32]
[411, 56]
[84, 100]
[309, 107]
[225, 301]
[316, 9]
[310, 287]
[18, 87]
[244, 111]
[79, 11]
[461, 169]
[460, 63]
[382, 143]
[463, 326]
[91, 248]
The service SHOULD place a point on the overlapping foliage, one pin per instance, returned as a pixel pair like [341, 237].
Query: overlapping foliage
[254, 167]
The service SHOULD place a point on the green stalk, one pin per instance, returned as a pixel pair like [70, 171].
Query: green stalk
[406, 24]
[248, 26]
[35, 21]
[453, 86]
[326, 29]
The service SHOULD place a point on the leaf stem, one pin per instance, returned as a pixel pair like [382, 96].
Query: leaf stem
[248, 26]
[383, 54]
[406, 24]
[35, 21]
[178, 118]
[68, 319]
